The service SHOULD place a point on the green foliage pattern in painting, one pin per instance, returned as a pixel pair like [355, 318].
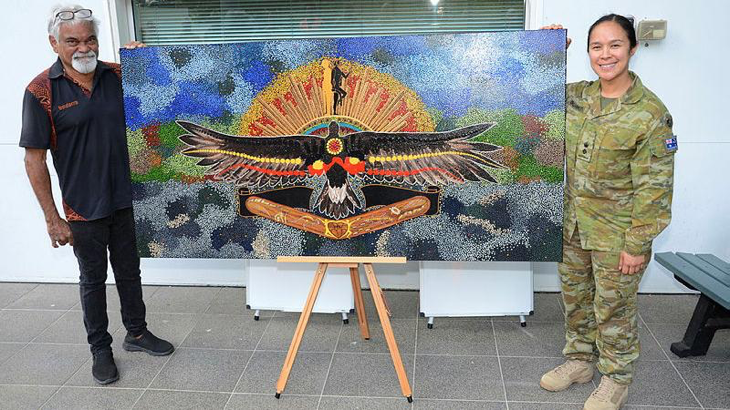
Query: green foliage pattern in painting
[508, 125]
[556, 124]
[169, 133]
[135, 142]
[174, 166]
[530, 168]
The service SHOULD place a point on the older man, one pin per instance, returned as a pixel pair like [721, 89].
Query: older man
[75, 110]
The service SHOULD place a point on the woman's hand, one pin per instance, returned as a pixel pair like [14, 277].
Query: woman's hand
[629, 264]
[558, 27]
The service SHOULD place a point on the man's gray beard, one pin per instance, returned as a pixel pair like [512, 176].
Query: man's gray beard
[84, 66]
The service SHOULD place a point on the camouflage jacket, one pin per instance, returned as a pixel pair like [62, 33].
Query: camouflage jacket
[620, 168]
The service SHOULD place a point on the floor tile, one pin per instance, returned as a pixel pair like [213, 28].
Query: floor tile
[403, 304]
[370, 403]
[667, 334]
[9, 349]
[10, 292]
[25, 325]
[370, 375]
[522, 378]
[181, 299]
[425, 404]
[458, 377]
[546, 309]
[230, 301]
[537, 339]
[173, 327]
[48, 297]
[268, 402]
[320, 336]
[226, 332]
[202, 370]
[43, 364]
[70, 328]
[351, 340]
[307, 377]
[81, 398]
[650, 349]
[710, 382]
[658, 384]
[456, 336]
[667, 308]
[181, 400]
[24, 397]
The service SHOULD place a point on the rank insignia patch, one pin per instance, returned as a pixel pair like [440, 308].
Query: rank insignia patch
[668, 120]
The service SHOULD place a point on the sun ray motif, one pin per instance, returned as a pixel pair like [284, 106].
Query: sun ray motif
[298, 101]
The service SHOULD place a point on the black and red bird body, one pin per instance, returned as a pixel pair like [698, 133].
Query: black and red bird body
[414, 158]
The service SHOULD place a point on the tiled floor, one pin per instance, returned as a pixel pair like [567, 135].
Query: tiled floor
[225, 359]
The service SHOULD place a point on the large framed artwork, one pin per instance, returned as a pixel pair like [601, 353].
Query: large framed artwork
[440, 147]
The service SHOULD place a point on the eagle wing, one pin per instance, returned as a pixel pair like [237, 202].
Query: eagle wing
[426, 158]
[252, 162]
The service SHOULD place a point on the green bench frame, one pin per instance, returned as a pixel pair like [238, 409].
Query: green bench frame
[709, 275]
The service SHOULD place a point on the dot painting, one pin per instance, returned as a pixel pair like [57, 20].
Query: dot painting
[438, 147]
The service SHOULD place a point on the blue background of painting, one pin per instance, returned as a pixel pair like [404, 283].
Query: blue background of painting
[519, 70]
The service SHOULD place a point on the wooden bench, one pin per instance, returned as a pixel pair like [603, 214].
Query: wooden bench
[709, 275]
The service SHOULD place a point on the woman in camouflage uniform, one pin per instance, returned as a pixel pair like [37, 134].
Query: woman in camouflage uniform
[618, 194]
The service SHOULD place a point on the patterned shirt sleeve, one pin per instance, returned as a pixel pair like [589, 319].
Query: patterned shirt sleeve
[652, 174]
[36, 131]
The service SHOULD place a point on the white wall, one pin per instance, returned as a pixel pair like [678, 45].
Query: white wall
[682, 70]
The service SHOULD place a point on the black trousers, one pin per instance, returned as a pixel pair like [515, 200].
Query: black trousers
[92, 239]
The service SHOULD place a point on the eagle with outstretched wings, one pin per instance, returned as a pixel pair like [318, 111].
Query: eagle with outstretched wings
[414, 158]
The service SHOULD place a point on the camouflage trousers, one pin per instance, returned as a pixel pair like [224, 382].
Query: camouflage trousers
[600, 309]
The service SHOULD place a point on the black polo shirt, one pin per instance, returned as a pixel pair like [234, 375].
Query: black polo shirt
[86, 133]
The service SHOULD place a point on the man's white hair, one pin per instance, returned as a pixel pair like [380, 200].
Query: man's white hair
[54, 23]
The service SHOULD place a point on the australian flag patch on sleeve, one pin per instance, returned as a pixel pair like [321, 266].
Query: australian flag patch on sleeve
[671, 143]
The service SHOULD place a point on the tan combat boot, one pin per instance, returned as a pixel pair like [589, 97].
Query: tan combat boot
[561, 377]
[608, 396]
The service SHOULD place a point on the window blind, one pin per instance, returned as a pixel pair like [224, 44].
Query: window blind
[163, 22]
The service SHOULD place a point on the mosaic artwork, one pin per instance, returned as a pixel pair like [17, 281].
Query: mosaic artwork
[443, 147]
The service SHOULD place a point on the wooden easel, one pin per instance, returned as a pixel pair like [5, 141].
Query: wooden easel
[352, 263]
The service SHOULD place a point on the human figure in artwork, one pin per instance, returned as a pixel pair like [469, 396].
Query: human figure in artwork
[618, 196]
[339, 92]
[74, 109]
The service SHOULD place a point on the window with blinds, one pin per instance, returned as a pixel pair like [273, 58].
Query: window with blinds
[161, 22]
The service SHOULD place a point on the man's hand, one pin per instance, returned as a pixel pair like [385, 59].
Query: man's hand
[134, 44]
[60, 233]
[630, 264]
[558, 27]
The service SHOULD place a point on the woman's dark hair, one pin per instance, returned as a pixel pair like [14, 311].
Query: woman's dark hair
[625, 23]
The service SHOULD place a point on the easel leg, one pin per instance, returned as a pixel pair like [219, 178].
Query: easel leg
[301, 327]
[362, 319]
[388, 331]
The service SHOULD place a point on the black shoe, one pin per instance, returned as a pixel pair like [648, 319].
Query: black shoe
[104, 370]
[148, 343]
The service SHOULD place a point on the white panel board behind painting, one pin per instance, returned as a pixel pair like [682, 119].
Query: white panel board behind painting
[476, 288]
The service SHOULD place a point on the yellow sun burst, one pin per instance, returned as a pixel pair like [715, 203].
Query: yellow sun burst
[300, 102]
